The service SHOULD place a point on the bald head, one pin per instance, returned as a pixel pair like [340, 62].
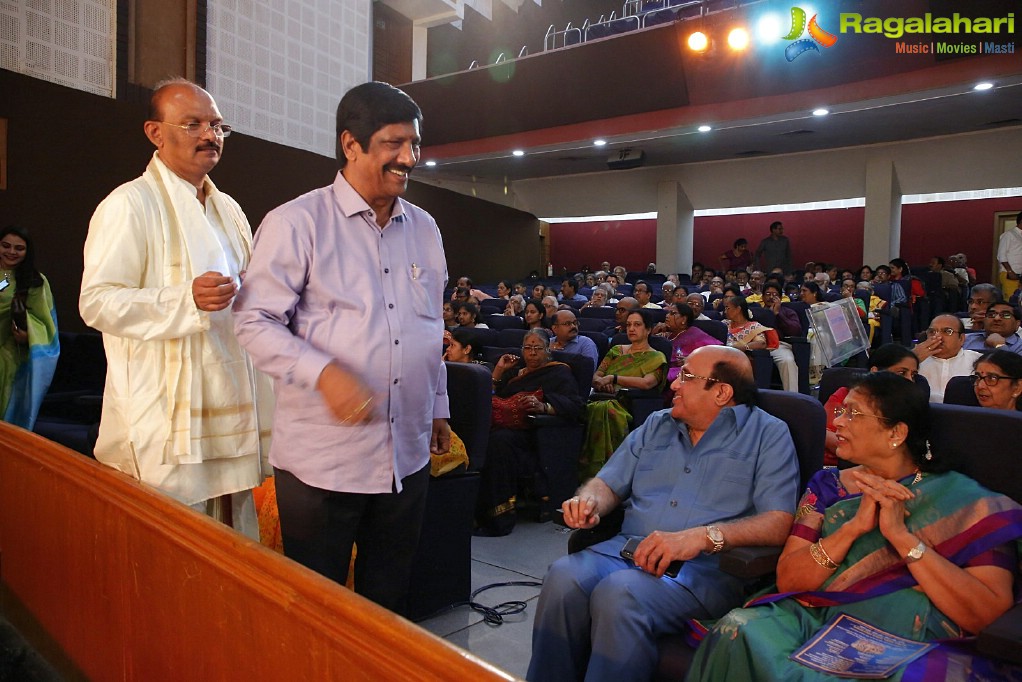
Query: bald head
[732, 367]
[629, 302]
[168, 90]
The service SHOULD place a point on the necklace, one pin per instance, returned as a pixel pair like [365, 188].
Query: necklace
[672, 338]
[918, 477]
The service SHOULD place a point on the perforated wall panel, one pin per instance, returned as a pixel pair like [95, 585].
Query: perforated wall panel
[277, 68]
[70, 42]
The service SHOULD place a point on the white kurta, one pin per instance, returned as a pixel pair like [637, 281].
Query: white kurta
[939, 371]
[179, 407]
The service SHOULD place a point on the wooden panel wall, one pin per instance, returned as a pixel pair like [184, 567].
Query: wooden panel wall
[114, 581]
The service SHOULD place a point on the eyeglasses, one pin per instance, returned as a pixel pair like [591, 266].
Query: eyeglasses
[988, 379]
[688, 376]
[946, 331]
[570, 323]
[622, 310]
[533, 349]
[199, 129]
[1003, 314]
[852, 413]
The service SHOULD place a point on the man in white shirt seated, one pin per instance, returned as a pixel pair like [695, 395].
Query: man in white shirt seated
[696, 302]
[942, 355]
[643, 294]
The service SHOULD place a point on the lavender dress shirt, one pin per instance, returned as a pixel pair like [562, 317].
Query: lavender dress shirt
[325, 283]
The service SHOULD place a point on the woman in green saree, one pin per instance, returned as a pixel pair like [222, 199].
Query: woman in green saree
[917, 553]
[634, 365]
[28, 330]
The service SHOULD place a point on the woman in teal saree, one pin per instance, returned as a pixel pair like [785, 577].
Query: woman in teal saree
[635, 365]
[28, 330]
[917, 553]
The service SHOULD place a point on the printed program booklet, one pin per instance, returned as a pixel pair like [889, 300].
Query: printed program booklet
[849, 647]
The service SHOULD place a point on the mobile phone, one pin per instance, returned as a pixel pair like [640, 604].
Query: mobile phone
[628, 552]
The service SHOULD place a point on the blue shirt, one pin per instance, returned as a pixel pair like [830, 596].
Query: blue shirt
[325, 283]
[583, 345]
[745, 464]
[978, 342]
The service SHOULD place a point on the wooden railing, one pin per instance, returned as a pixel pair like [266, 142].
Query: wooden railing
[111, 580]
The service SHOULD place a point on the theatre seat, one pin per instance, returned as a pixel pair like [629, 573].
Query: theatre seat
[442, 574]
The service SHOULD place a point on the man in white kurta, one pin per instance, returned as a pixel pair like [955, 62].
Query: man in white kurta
[1009, 255]
[942, 355]
[183, 409]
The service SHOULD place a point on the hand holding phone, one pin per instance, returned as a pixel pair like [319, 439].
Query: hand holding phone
[628, 552]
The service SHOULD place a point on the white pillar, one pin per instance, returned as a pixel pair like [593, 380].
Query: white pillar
[419, 51]
[675, 229]
[881, 234]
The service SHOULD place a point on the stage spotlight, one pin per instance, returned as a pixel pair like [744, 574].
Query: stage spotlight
[738, 39]
[698, 42]
[769, 29]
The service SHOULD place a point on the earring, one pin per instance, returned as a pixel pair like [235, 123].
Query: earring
[893, 445]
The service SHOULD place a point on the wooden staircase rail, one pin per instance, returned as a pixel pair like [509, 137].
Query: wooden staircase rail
[109, 579]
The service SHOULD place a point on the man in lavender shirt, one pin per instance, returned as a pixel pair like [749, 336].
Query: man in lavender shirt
[342, 305]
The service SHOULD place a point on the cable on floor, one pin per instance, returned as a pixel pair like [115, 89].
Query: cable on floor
[492, 615]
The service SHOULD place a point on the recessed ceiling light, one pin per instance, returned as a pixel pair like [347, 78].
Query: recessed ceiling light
[518, 152]
[821, 112]
[704, 129]
[599, 143]
[985, 85]
[431, 163]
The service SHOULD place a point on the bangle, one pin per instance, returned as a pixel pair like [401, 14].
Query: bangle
[820, 556]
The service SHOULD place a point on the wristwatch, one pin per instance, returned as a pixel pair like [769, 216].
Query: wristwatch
[716, 537]
[916, 553]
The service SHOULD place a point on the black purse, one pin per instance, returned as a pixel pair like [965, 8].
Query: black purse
[19, 311]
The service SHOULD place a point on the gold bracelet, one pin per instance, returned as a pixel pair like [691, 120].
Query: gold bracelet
[820, 556]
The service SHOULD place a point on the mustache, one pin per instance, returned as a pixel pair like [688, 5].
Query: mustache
[401, 167]
[209, 145]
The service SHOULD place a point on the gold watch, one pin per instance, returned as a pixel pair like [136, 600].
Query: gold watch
[716, 537]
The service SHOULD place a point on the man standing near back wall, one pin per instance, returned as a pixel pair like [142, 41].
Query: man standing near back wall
[1009, 255]
[342, 305]
[775, 250]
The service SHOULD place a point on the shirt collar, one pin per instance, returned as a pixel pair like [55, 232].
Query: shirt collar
[352, 203]
[208, 187]
[730, 418]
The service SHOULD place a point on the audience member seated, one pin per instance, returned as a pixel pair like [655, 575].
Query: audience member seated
[569, 291]
[450, 314]
[980, 298]
[538, 292]
[635, 366]
[997, 380]
[744, 333]
[460, 294]
[515, 305]
[566, 337]
[865, 274]
[504, 289]
[1000, 330]
[599, 614]
[786, 320]
[550, 305]
[621, 310]
[468, 316]
[696, 302]
[534, 314]
[890, 357]
[667, 288]
[466, 283]
[462, 346]
[920, 554]
[642, 293]
[848, 291]
[942, 356]
[536, 386]
[683, 336]
[598, 299]
[756, 281]
[864, 290]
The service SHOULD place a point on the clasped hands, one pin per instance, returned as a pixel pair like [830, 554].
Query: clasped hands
[882, 505]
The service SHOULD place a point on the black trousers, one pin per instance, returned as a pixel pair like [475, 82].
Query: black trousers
[319, 526]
